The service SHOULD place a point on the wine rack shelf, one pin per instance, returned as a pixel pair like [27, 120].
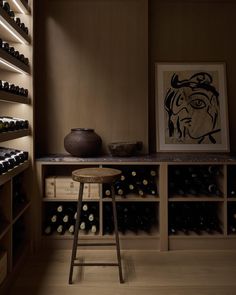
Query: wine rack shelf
[10, 31]
[10, 63]
[10, 97]
[5, 136]
[195, 199]
[20, 6]
[159, 236]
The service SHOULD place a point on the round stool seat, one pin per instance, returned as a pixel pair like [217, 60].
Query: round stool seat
[96, 175]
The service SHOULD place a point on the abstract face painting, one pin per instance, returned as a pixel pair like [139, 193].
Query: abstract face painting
[191, 109]
[192, 106]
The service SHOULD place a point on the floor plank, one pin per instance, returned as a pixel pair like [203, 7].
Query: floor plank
[145, 272]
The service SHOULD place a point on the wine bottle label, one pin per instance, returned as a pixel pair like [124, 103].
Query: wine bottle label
[120, 192]
[65, 218]
[82, 225]
[153, 173]
[122, 177]
[145, 182]
[131, 187]
[91, 217]
[71, 229]
[85, 207]
[94, 229]
[60, 229]
[107, 192]
[54, 218]
[140, 192]
[60, 208]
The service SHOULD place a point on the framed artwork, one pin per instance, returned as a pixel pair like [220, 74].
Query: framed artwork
[191, 107]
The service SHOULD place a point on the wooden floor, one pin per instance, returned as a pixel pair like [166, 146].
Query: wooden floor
[145, 272]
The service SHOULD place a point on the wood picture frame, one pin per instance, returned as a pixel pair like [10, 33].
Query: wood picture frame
[191, 107]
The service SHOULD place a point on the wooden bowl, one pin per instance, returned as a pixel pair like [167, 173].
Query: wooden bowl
[124, 149]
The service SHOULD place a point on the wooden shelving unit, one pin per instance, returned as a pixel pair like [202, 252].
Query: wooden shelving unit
[16, 72]
[159, 237]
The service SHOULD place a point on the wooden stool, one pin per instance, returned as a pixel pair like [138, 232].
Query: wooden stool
[95, 175]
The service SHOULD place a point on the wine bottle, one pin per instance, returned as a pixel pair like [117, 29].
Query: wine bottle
[61, 229]
[106, 190]
[120, 188]
[60, 208]
[48, 230]
[9, 159]
[71, 229]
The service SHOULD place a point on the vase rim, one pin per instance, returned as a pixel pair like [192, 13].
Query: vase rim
[82, 129]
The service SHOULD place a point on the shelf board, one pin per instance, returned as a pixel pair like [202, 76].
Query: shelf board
[10, 31]
[10, 97]
[195, 236]
[13, 172]
[69, 200]
[20, 211]
[133, 198]
[231, 199]
[10, 63]
[20, 6]
[131, 235]
[195, 199]
[55, 236]
[4, 136]
[4, 227]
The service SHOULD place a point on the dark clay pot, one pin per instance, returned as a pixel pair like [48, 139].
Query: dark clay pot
[83, 142]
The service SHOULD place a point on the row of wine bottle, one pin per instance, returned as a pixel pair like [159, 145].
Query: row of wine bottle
[8, 123]
[61, 218]
[6, 6]
[134, 180]
[194, 180]
[12, 88]
[15, 53]
[10, 158]
[132, 217]
[198, 217]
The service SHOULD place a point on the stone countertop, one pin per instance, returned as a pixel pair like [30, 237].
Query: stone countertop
[151, 158]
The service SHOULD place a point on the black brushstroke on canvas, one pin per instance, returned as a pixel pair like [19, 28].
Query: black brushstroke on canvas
[193, 108]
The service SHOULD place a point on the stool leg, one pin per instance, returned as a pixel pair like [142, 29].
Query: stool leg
[116, 234]
[76, 233]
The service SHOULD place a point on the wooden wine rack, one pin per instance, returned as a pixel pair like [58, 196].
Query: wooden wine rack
[16, 72]
[159, 238]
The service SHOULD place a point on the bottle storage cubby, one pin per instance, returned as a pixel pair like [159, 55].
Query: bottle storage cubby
[198, 218]
[136, 181]
[59, 218]
[195, 180]
[132, 217]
